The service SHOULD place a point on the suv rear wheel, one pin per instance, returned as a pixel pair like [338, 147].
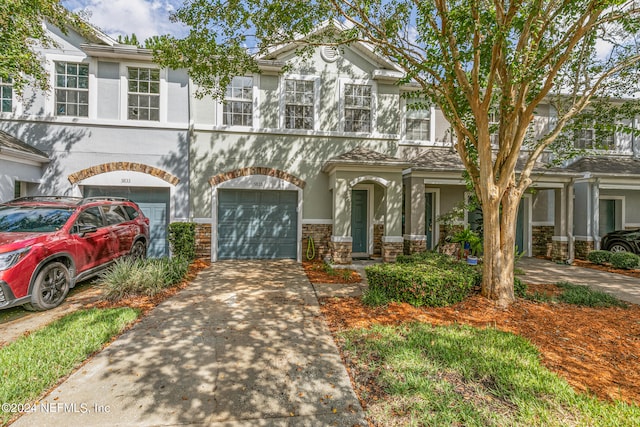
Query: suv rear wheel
[50, 288]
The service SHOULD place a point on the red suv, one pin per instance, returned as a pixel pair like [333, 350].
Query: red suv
[48, 244]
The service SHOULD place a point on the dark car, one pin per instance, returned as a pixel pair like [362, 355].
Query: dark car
[48, 244]
[622, 241]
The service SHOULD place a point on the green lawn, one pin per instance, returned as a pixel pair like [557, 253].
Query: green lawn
[34, 363]
[428, 375]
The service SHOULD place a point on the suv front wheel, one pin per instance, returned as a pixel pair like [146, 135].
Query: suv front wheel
[50, 288]
[138, 251]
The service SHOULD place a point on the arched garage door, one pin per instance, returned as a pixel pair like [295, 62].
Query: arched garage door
[154, 203]
[257, 224]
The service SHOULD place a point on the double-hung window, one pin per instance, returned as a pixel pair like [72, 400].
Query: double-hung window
[584, 138]
[237, 108]
[299, 100]
[144, 94]
[72, 89]
[357, 108]
[417, 124]
[6, 95]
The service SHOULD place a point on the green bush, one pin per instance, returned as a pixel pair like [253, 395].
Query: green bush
[599, 257]
[129, 277]
[584, 296]
[433, 281]
[519, 288]
[182, 239]
[374, 297]
[625, 260]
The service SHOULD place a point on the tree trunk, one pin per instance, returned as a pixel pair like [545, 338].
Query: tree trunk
[499, 248]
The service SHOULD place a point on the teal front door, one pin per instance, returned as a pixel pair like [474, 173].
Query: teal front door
[359, 220]
[607, 216]
[428, 216]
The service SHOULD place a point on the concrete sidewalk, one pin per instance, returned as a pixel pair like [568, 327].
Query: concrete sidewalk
[542, 271]
[243, 345]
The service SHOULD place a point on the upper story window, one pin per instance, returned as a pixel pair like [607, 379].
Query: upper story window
[144, 94]
[357, 108]
[589, 139]
[299, 100]
[72, 89]
[418, 124]
[237, 109]
[6, 95]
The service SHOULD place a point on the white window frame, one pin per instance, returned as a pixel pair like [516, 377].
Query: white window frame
[494, 120]
[3, 85]
[374, 104]
[283, 102]
[128, 93]
[124, 92]
[403, 125]
[56, 88]
[255, 104]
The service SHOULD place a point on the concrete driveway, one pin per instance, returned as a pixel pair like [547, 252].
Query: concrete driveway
[542, 271]
[243, 345]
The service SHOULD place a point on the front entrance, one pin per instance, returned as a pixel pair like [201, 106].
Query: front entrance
[607, 216]
[429, 217]
[359, 222]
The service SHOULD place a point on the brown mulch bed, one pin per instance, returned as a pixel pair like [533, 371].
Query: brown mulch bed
[607, 268]
[596, 350]
[317, 273]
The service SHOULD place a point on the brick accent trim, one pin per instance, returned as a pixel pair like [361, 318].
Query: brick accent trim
[123, 166]
[276, 173]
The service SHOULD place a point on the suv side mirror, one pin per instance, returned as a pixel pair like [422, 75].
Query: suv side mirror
[86, 229]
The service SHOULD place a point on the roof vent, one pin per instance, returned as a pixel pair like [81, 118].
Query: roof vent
[329, 53]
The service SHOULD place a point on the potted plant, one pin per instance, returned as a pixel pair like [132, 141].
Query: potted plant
[470, 245]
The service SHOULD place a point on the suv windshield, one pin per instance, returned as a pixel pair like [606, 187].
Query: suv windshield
[21, 219]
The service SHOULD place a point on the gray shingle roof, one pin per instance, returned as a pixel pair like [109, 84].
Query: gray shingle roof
[366, 157]
[12, 143]
[606, 165]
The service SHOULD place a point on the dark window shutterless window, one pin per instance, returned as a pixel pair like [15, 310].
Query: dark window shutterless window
[144, 94]
[357, 108]
[299, 99]
[237, 108]
[72, 89]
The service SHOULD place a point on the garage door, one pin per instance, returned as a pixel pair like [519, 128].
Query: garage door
[154, 203]
[257, 224]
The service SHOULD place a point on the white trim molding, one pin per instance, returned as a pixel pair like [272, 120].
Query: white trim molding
[384, 182]
[392, 239]
[414, 237]
[318, 221]
[341, 239]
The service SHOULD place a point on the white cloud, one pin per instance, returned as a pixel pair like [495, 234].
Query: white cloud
[145, 18]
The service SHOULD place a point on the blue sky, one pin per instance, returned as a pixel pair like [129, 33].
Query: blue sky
[145, 18]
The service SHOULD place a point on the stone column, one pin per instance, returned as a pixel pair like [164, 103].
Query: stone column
[392, 246]
[414, 243]
[341, 247]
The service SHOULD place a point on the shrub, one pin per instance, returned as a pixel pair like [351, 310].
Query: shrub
[584, 296]
[434, 282]
[182, 239]
[599, 257]
[374, 296]
[129, 277]
[625, 260]
[519, 288]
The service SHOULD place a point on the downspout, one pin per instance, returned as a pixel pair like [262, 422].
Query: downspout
[569, 201]
[595, 205]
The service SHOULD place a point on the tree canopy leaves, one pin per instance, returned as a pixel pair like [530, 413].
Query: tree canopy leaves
[23, 30]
